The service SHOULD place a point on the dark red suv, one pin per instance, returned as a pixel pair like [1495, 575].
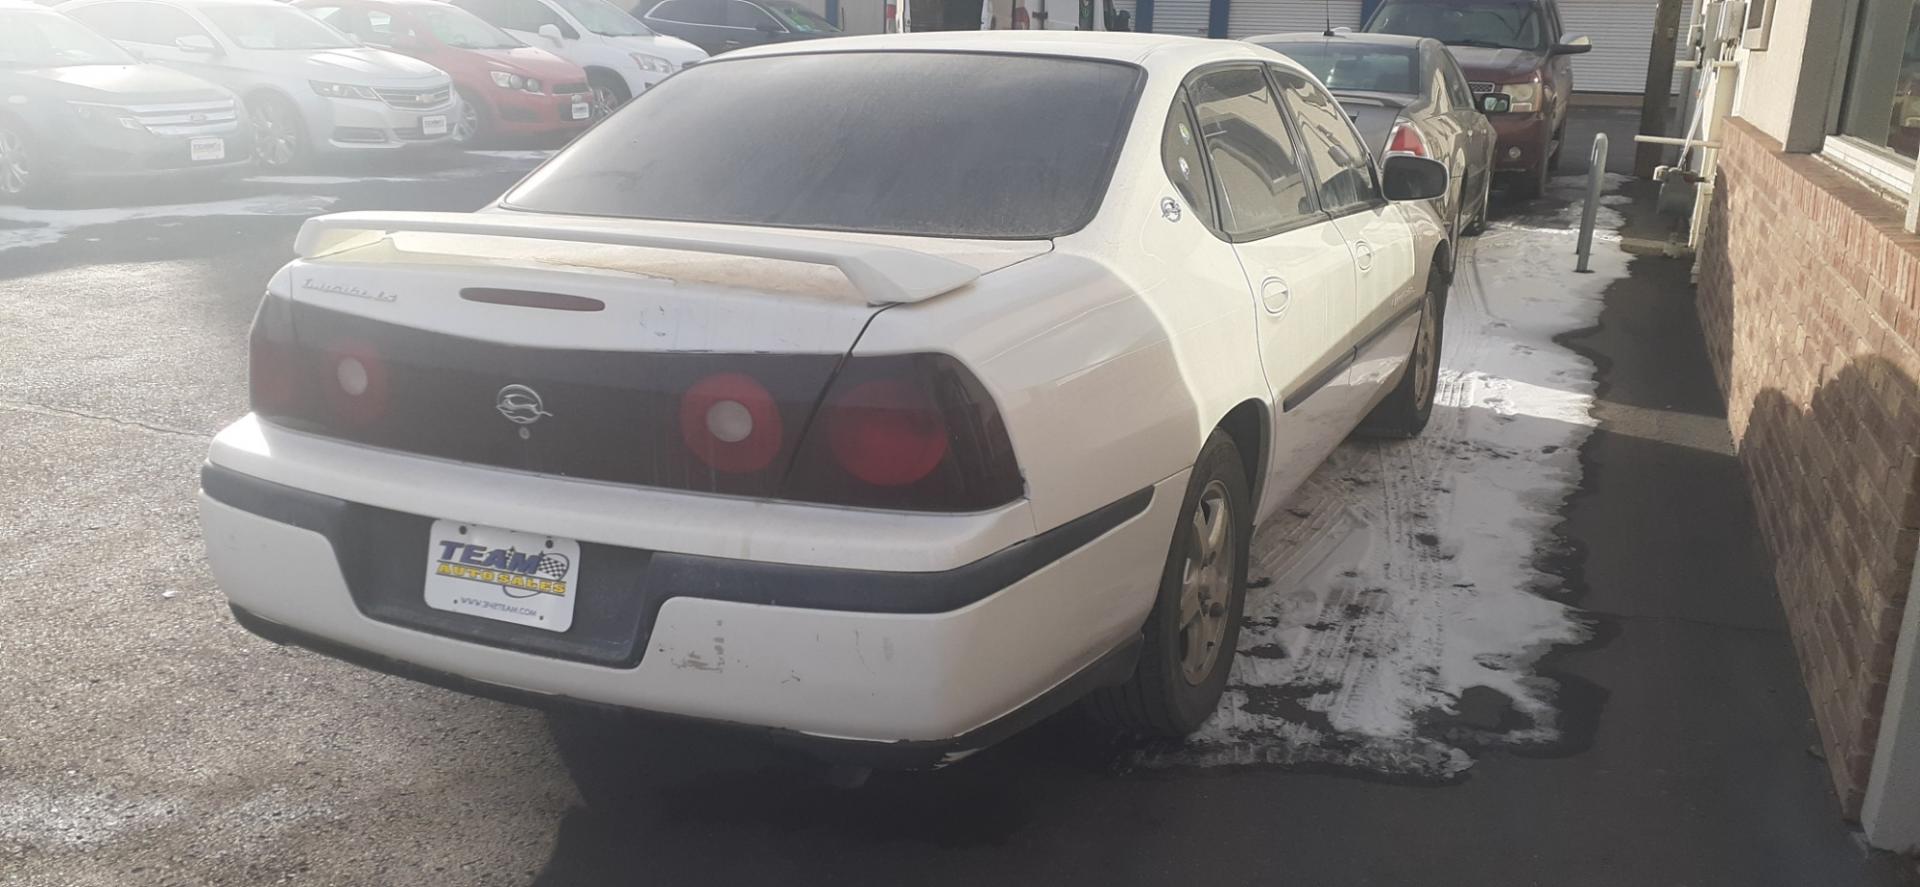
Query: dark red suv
[1516, 47]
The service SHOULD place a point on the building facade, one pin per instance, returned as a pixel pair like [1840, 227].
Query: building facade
[1809, 297]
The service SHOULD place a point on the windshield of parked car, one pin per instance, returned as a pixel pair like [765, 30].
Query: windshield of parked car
[1352, 66]
[932, 143]
[604, 18]
[461, 29]
[274, 27]
[800, 19]
[32, 39]
[1492, 24]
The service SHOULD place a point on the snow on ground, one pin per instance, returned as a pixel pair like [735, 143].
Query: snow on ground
[1407, 616]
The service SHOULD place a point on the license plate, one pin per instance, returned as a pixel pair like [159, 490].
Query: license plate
[434, 126]
[203, 150]
[581, 110]
[493, 573]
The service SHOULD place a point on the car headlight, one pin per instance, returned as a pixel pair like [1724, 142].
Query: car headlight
[343, 90]
[106, 114]
[510, 80]
[652, 63]
[1526, 96]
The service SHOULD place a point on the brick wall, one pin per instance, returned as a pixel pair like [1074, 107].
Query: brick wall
[1810, 300]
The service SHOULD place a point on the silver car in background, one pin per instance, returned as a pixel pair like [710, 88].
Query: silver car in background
[308, 88]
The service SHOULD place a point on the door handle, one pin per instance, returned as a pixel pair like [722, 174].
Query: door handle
[1363, 255]
[1275, 294]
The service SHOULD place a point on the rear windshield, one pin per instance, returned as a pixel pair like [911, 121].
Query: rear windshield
[927, 143]
[1352, 66]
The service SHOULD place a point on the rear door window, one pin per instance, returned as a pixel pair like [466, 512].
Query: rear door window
[948, 144]
[1262, 187]
[741, 14]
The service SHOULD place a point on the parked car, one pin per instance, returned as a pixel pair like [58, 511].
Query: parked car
[78, 106]
[505, 86]
[308, 89]
[621, 56]
[1514, 47]
[616, 439]
[1407, 96]
[721, 25]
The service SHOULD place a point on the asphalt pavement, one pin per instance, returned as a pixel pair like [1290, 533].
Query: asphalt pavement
[145, 739]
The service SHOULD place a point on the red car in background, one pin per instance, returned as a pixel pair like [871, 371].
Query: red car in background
[506, 87]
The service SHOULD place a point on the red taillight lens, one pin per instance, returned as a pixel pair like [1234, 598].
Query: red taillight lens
[886, 432]
[273, 373]
[915, 432]
[731, 423]
[1407, 140]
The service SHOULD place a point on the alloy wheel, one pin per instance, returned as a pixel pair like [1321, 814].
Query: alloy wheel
[16, 173]
[276, 137]
[604, 100]
[1426, 354]
[467, 127]
[1206, 588]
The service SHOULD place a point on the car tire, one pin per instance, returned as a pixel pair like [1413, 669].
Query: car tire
[1193, 631]
[470, 130]
[22, 174]
[1532, 183]
[1405, 411]
[280, 139]
[1556, 145]
[609, 92]
[1479, 224]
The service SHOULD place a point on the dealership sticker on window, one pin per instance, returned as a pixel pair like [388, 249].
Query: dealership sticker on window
[501, 574]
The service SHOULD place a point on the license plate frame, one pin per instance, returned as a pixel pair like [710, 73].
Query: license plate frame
[207, 150]
[581, 110]
[433, 125]
[500, 574]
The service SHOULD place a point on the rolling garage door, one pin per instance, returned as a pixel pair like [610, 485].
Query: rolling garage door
[1187, 17]
[1245, 18]
[1622, 34]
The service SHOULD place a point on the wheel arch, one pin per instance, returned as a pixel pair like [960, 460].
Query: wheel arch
[1250, 425]
[597, 70]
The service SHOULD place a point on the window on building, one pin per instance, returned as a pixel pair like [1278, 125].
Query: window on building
[1881, 104]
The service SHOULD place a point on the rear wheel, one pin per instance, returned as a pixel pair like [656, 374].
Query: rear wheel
[1479, 223]
[1194, 628]
[1406, 410]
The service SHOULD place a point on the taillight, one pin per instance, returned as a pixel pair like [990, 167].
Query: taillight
[273, 376]
[1407, 140]
[731, 423]
[914, 432]
[886, 432]
[354, 377]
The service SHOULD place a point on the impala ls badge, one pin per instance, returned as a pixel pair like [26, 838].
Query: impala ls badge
[521, 405]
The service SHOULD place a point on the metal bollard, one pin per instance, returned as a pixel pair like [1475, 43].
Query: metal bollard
[1596, 175]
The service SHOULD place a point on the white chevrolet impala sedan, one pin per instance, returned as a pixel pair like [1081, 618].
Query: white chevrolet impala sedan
[879, 394]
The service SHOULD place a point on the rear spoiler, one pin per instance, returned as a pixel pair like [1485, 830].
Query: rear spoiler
[883, 274]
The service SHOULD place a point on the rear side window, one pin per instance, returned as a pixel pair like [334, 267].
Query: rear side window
[692, 12]
[942, 144]
[1180, 152]
[1342, 167]
[1255, 163]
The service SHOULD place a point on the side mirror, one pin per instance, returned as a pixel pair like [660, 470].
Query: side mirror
[196, 43]
[1574, 46]
[1495, 103]
[1407, 177]
[552, 33]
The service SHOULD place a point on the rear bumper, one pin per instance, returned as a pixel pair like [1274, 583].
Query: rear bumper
[887, 663]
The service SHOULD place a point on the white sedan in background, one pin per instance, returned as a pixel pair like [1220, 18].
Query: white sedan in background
[830, 415]
[308, 88]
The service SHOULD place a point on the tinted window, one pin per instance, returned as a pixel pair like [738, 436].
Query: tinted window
[1254, 160]
[1496, 24]
[799, 18]
[692, 12]
[1458, 91]
[1341, 164]
[741, 14]
[1180, 153]
[934, 143]
[1345, 65]
[34, 39]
